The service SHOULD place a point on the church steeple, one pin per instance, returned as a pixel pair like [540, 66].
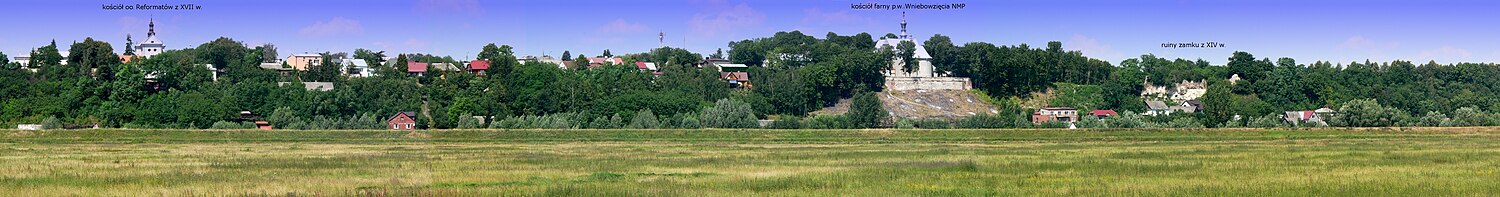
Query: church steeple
[903, 27]
[151, 28]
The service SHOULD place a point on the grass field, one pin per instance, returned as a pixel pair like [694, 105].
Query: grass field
[1340, 162]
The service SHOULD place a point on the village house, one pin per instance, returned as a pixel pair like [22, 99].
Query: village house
[478, 67]
[416, 69]
[356, 68]
[732, 67]
[646, 66]
[736, 79]
[595, 62]
[547, 59]
[449, 67]
[1154, 108]
[1050, 114]
[1101, 113]
[302, 61]
[277, 66]
[263, 125]
[1307, 116]
[310, 86]
[708, 61]
[402, 121]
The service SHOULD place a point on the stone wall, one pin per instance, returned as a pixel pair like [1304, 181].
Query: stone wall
[927, 83]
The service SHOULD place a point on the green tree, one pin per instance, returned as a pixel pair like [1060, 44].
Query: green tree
[567, 56]
[1367, 113]
[370, 57]
[222, 52]
[907, 54]
[866, 111]
[503, 60]
[945, 56]
[644, 120]
[94, 57]
[48, 57]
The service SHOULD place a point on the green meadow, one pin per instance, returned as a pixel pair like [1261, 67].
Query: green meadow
[883, 162]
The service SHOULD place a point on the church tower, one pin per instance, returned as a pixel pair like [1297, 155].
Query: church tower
[152, 46]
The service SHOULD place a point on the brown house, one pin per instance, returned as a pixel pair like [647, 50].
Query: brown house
[403, 121]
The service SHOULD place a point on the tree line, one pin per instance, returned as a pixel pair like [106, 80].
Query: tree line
[791, 74]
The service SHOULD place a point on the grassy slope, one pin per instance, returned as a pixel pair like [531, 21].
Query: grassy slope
[1370, 162]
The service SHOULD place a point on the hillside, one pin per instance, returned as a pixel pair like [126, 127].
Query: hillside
[923, 104]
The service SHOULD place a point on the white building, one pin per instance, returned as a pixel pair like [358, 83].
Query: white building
[152, 46]
[924, 60]
[356, 68]
[921, 77]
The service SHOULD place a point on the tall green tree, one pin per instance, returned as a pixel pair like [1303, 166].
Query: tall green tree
[865, 111]
[93, 57]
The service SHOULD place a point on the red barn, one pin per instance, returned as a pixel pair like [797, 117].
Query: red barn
[403, 121]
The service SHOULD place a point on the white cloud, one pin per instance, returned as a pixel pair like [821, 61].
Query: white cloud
[621, 26]
[1449, 53]
[448, 7]
[414, 43]
[722, 20]
[817, 16]
[1372, 49]
[1091, 47]
[336, 26]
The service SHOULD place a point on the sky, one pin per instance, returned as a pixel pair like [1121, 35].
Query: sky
[1342, 31]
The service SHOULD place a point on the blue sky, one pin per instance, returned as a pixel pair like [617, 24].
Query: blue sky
[1447, 31]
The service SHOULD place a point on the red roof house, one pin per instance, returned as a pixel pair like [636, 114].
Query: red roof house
[416, 68]
[263, 125]
[479, 66]
[1103, 113]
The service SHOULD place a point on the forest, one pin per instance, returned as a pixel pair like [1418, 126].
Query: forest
[793, 74]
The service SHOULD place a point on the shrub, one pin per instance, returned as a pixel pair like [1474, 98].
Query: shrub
[284, 118]
[728, 113]
[644, 120]
[227, 125]
[786, 122]
[983, 121]
[1185, 122]
[467, 121]
[51, 123]
[1469, 116]
[906, 124]
[1267, 121]
[507, 123]
[690, 121]
[1130, 119]
[1234, 122]
[1433, 119]
[826, 122]
[1090, 122]
[1367, 113]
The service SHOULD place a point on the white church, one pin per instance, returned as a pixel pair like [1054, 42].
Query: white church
[922, 77]
[152, 46]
